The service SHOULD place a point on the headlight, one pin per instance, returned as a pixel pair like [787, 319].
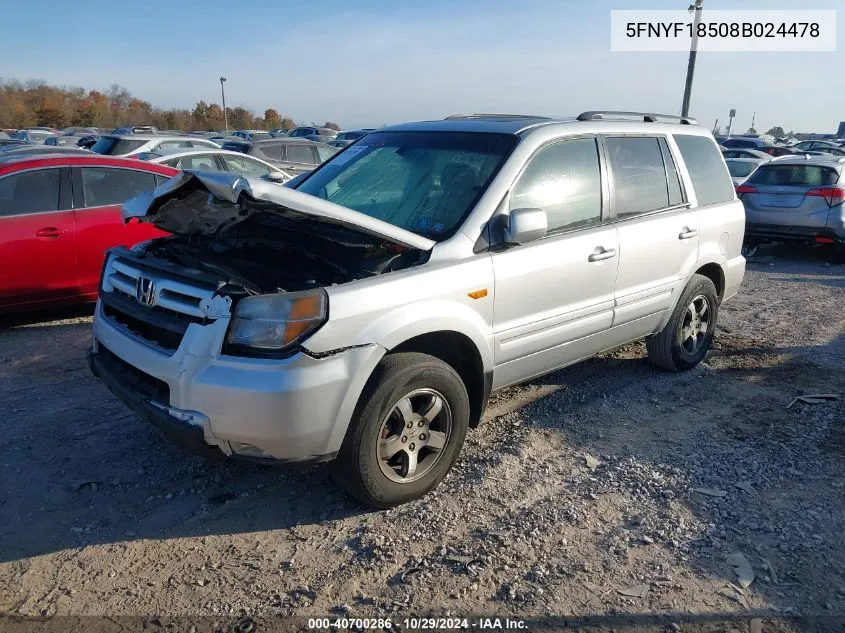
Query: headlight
[274, 322]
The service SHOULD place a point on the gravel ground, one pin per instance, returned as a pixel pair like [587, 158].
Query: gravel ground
[611, 493]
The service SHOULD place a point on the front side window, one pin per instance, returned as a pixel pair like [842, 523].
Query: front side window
[202, 161]
[299, 154]
[173, 145]
[34, 191]
[639, 175]
[425, 182]
[706, 167]
[563, 179]
[245, 166]
[103, 186]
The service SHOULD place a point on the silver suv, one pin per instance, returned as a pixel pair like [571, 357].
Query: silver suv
[365, 316]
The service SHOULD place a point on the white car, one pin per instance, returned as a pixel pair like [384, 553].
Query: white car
[219, 160]
[132, 144]
[742, 168]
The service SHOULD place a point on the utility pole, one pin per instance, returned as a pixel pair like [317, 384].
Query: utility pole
[731, 121]
[223, 94]
[716, 127]
[693, 53]
[753, 119]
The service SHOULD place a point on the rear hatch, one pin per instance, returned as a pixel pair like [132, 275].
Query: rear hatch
[791, 194]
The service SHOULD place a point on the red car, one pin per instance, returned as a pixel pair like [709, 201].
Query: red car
[58, 214]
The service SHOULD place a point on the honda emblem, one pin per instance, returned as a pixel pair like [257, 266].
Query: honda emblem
[145, 291]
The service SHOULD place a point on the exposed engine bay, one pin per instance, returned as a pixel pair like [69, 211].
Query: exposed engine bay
[286, 252]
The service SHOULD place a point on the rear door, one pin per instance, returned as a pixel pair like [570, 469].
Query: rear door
[99, 193]
[794, 195]
[658, 231]
[37, 254]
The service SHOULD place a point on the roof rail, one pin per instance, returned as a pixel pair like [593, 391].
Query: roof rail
[599, 115]
[514, 117]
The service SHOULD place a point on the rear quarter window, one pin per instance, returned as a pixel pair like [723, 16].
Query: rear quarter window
[707, 170]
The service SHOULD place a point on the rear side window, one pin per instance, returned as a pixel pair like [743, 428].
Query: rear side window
[34, 191]
[794, 176]
[564, 180]
[104, 186]
[706, 168]
[272, 152]
[639, 175]
[300, 154]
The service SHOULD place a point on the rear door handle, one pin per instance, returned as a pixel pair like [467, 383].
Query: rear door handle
[601, 253]
[49, 232]
[687, 233]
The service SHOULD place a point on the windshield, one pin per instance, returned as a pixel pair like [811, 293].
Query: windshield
[425, 182]
[113, 146]
[303, 131]
[740, 169]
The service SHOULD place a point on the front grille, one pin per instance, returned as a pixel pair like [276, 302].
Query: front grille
[162, 325]
[132, 379]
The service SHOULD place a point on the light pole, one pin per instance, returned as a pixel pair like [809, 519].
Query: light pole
[223, 94]
[693, 53]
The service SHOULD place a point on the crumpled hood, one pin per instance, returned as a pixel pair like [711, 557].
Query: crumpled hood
[182, 205]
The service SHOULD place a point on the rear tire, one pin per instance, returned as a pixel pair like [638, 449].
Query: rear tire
[406, 432]
[687, 337]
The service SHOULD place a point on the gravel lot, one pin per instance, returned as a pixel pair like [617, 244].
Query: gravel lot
[611, 492]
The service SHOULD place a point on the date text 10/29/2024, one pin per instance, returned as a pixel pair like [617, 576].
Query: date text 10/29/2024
[416, 624]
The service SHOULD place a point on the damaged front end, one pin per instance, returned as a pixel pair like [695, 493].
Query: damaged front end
[266, 250]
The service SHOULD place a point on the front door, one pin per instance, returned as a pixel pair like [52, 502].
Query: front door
[37, 254]
[554, 294]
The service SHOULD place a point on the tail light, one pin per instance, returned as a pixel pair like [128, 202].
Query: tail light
[825, 240]
[745, 189]
[832, 195]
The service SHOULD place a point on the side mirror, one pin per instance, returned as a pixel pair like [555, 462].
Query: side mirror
[526, 225]
[275, 176]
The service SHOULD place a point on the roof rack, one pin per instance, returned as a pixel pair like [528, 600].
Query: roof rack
[647, 117]
[508, 117]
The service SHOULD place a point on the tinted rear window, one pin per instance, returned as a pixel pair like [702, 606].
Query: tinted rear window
[299, 154]
[794, 175]
[706, 168]
[106, 186]
[236, 147]
[111, 146]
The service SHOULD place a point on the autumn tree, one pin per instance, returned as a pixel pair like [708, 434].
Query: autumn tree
[272, 119]
[331, 126]
[776, 131]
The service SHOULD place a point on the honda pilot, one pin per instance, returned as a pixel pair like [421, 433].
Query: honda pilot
[363, 317]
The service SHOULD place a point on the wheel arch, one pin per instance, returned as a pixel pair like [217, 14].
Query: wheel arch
[459, 352]
[715, 273]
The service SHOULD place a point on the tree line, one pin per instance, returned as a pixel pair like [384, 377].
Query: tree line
[31, 103]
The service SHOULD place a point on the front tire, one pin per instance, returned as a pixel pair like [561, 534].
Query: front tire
[687, 337]
[406, 432]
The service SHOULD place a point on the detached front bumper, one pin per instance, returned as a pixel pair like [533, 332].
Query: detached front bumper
[295, 409]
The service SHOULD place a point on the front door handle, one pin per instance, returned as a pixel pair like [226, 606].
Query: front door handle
[49, 232]
[687, 233]
[601, 254]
